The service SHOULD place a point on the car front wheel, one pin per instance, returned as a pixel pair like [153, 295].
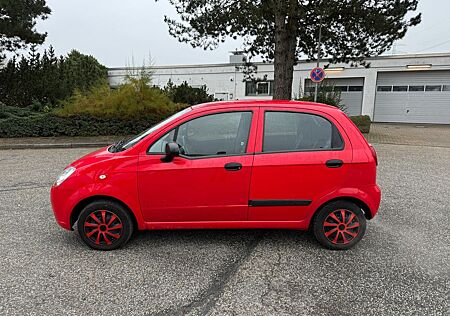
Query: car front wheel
[104, 225]
[339, 225]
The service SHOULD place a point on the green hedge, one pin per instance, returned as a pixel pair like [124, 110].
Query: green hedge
[46, 125]
[363, 122]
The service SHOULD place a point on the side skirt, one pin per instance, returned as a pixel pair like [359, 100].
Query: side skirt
[301, 225]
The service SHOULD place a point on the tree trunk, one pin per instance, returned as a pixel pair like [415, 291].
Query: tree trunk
[284, 58]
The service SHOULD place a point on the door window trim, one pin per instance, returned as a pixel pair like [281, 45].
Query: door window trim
[298, 150]
[246, 153]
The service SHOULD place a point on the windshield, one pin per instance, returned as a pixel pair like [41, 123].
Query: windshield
[133, 141]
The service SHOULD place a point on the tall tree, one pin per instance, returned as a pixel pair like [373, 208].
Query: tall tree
[285, 30]
[17, 24]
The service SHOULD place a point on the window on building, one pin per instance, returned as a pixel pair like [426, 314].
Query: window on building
[446, 88]
[250, 88]
[263, 88]
[341, 88]
[433, 88]
[400, 88]
[293, 131]
[355, 88]
[258, 88]
[384, 88]
[416, 88]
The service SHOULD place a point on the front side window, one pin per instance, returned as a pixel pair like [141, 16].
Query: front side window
[216, 134]
[293, 131]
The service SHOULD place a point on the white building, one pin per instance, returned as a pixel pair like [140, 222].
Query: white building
[402, 88]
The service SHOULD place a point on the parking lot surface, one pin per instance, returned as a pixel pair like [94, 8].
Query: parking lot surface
[402, 266]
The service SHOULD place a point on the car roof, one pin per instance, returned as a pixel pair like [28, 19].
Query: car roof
[266, 103]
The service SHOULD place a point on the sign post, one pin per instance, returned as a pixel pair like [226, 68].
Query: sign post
[319, 44]
[317, 75]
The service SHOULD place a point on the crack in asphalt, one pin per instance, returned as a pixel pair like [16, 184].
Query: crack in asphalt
[269, 279]
[206, 300]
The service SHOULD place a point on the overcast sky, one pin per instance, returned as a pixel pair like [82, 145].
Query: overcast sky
[114, 31]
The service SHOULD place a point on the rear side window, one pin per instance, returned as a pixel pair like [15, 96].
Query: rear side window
[293, 131]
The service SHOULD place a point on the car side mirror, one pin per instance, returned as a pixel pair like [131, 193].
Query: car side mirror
[172, 150]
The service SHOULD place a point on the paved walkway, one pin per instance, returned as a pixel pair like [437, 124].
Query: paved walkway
[398, 134]
[410, 134]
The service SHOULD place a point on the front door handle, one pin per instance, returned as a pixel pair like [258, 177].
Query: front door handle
[233, 166]
[334, 163]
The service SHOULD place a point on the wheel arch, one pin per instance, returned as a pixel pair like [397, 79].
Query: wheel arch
[83, 203]
[358, 202]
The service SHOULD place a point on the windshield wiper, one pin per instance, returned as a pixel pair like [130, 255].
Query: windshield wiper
[118, 146]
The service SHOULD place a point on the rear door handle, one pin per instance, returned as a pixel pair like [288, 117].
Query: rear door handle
[334, 163]
[233, 166]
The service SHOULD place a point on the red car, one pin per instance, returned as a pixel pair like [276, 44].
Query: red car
[242, 164]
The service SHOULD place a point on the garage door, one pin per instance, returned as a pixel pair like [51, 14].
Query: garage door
[413, 97]
[351, 92]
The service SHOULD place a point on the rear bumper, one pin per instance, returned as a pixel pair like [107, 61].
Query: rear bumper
[373, 199]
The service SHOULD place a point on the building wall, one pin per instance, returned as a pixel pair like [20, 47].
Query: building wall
[227, 78]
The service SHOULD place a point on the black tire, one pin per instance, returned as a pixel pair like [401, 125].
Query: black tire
[339, 225]
[105, 225]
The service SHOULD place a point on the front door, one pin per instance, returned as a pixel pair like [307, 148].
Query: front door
[210, 180]
[299, 157]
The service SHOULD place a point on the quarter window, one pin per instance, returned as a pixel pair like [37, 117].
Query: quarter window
[160, 145]
[216, 134]
[293, 131]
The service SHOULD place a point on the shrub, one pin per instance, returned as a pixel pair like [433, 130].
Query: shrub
[12, 111]
[184, 93]
[327, 94]
[135, 99]
[363, 122]
[49, 124]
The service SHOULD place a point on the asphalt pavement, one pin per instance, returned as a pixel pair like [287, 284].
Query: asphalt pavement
[401, 267]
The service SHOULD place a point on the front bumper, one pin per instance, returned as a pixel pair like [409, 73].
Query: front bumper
[61, 208]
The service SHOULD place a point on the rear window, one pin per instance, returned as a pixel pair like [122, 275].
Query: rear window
[294, 131]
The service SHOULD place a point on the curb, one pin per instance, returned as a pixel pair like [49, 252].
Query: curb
[50, 146]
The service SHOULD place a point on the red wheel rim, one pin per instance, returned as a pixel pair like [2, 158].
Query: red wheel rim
[341, 227]
[103, 227]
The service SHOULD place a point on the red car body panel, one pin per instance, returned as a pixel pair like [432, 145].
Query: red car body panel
[200, 193]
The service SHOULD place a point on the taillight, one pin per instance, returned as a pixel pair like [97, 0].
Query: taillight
[374, 154]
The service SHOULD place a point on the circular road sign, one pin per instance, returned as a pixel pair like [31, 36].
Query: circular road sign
[317, 74]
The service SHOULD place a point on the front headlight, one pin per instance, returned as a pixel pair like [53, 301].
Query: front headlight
[64, 175]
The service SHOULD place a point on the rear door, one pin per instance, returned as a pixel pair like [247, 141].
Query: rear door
[299, 157]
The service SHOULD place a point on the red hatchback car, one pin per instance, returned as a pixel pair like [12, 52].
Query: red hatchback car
[243, 164]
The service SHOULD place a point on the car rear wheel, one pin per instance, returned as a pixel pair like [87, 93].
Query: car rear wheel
[339, 225]
[105, 225]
